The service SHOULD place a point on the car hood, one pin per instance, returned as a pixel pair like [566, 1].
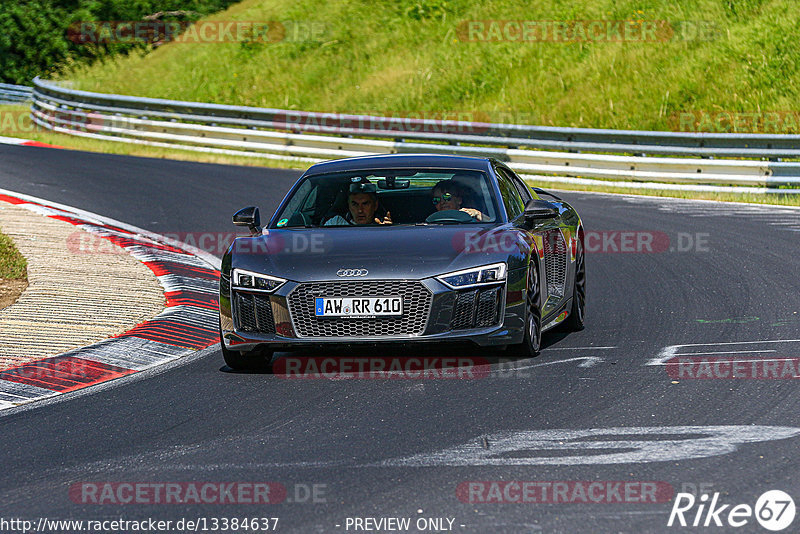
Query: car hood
[409, 252]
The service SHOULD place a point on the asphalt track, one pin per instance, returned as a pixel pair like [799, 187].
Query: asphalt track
[197, 422]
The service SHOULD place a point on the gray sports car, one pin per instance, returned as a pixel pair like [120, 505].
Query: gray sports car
[403, 249]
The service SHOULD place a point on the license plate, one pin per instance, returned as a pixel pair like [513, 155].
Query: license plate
[358, 306]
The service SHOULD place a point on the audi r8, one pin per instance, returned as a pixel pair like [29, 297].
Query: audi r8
[403, 249]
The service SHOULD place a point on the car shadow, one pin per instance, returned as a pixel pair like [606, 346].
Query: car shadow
[356, 360]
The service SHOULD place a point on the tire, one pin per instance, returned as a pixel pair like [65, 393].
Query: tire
[577, 313]
[244, 361]
[532, 340]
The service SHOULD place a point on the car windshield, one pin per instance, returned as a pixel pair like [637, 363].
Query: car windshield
[391, 197]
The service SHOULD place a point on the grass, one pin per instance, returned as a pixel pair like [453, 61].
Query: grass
[404, 57]
[13, 272]
[12, 264]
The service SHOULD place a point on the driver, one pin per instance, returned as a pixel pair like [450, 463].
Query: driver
[362, 203]
[449, 195]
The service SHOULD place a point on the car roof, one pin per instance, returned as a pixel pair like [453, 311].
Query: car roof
[389, 161]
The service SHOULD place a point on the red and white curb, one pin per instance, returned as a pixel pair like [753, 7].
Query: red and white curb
[24, 142]
[188, 323]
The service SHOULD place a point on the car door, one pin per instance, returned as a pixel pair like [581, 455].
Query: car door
[552, 237]
[512, 200]
[515, 208]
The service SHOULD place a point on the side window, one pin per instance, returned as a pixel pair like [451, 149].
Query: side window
[523, 189]
[298, 200]
[511, 197]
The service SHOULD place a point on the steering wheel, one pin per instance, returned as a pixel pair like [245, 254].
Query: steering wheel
[298, 219]
[450, 216]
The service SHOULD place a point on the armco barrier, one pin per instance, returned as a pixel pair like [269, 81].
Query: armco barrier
[282, 134]
[15, 94]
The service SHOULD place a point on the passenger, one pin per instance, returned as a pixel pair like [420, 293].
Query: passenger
[449, 195]
[362, 203]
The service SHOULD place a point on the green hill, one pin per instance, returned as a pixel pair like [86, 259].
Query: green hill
[410, 57]
[37, 37]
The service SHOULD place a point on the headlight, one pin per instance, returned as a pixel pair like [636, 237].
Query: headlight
[256, 281]
[477, 276]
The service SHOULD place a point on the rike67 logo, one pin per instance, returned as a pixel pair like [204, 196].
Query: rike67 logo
[774, 510]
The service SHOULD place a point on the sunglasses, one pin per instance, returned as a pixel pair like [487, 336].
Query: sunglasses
[444, 198]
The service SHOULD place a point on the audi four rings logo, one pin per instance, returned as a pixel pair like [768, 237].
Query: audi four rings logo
[352, 272]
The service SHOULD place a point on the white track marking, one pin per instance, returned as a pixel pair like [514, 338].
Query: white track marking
[740, 342]
[130, 353]
[510, 448]
[174, 282]
[548, 349]
[752, 360]
[726, 352]
[781, 217]
[651, 185]
[587, 361]
[566, 447]
[13, 141]
[672, 351]
[667, 200]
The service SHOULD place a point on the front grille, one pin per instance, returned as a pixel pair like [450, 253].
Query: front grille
[464, 310]
[416, 305]
[253, 313]
[555, 260]
[476, 308]
[488, 306]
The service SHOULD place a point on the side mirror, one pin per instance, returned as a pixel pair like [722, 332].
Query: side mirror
[249, 217]
[540, 209]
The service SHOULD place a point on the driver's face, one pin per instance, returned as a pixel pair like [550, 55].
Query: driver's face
[363, 207]
[454, 203]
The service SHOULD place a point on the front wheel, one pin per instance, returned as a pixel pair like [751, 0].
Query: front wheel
[243, 361]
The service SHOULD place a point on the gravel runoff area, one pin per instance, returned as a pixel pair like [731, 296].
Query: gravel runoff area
[76, 295]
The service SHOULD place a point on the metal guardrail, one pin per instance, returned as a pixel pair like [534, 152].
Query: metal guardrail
[15, 94]
[286, 134]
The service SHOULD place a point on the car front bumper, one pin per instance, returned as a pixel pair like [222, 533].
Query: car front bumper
[276, 324]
